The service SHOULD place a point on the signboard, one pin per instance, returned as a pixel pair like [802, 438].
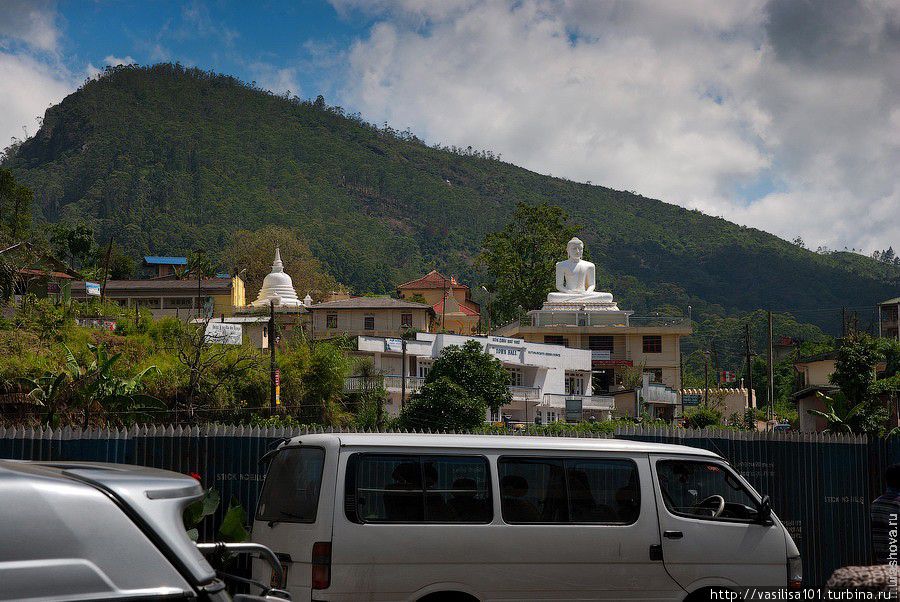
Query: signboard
[691, 399]
[574, 409]
[506, 341]
[277, 387]
[223, 333]
[601, 355]
[393, 345]
[506, 354]
[92, 289]
[727, 376]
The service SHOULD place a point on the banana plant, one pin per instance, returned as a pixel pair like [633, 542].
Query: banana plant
[837, 415]
[48, 391]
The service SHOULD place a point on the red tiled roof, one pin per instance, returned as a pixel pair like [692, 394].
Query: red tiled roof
[32, 272]
[439, 307]
[432, 279]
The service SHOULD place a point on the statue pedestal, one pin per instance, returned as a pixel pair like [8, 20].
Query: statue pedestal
[582, 305]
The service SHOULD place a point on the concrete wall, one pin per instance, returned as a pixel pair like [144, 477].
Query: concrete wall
[727, 401]
[351, 321]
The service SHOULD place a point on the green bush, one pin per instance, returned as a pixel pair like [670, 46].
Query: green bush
[702, 417]
[442, 405]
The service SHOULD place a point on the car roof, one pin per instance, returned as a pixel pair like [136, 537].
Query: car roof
[500, 442]
[157, 496]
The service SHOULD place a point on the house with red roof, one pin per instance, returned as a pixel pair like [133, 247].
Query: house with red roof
[451, 300]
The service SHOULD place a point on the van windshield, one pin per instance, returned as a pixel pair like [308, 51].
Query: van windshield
[291, 491]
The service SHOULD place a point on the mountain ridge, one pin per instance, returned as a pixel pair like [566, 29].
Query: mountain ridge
[170, 159]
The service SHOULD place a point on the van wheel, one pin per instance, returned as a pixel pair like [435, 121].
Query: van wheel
[449, 597]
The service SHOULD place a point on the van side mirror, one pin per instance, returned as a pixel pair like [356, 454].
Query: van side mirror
[765, 510]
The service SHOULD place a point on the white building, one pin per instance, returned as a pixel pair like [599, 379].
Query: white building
[544, 379]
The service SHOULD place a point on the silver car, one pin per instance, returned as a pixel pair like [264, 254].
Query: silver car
[93, 531]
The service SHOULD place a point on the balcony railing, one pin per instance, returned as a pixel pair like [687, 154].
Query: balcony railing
[592, 318]
[393, 382]
[525, 393]
[658, 393]
[588, 402]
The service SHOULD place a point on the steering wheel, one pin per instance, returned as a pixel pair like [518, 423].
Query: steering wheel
[717, 511]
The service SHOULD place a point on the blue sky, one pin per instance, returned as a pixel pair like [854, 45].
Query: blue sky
[778, 114]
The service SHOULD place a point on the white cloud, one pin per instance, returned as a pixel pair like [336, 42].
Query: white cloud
[276, 79]
[36, 86]
[684, 101]
[31, 22]
[115, 60]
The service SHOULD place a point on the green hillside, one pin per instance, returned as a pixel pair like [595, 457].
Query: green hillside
[172, 159]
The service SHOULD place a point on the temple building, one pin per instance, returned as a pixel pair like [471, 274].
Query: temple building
[451, 301]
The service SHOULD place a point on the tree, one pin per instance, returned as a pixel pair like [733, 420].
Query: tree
[481, 376]
[73, 242]
[519, 261]
[254, 252]
[854, 373]
[15, 207]
[442, 405]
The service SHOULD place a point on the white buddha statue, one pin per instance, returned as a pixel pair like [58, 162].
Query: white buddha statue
[576, 279]
[277, 288]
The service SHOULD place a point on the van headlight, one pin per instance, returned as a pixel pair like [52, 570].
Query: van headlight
[794, 572]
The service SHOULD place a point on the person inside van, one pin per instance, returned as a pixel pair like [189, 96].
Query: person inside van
[435, 508]
[516, 508]
[402, 501]
[464, 503]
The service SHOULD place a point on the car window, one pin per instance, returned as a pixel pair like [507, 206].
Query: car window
[705, 490]
[569, 490]
[420, 489]
[291, 491]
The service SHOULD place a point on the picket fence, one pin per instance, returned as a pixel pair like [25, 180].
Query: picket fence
[821, 485]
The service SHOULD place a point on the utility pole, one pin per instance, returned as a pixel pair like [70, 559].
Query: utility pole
[443, 303]
[706, 379]
[272, 369]
[843, 321]
[106, 269]
[749, 365]
[402, 368]
[771, 393]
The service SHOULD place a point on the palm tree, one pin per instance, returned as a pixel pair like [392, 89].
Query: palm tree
[48, 391]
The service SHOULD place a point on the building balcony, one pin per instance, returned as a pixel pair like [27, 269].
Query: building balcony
[588, 402]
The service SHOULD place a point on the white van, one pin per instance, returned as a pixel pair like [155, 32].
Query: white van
[470, 517]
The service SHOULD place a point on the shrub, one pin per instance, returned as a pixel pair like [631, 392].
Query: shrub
[702, 417]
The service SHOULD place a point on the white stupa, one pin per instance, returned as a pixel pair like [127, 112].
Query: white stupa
[277, 287]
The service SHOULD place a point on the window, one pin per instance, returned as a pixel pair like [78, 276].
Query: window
[148, 302]
[515, 377]
[652, 344]
[704, 490]
[655, 375]
[179, 302]
[570, 490]
[406, 320]
[291, 491]
[418, 489]
[574, 384]
[423, 368]
[495, 415]
[369, 323]
[601, 343]
[556, 339]
[330, 320]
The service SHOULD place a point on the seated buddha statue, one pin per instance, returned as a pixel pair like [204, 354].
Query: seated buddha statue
[576, 279]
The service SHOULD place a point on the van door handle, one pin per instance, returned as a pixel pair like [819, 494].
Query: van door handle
[673, 534]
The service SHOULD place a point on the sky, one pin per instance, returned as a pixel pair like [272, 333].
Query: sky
[778, 114]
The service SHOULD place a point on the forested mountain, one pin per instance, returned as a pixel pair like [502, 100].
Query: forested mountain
[169, 159]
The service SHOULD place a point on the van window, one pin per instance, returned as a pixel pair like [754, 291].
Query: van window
[569, 490]
[706, 490]
[291, 491]
[418, 489]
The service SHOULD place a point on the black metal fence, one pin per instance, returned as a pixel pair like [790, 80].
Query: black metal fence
[820, 485]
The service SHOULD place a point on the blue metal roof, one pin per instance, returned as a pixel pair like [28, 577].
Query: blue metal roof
[154, 260]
